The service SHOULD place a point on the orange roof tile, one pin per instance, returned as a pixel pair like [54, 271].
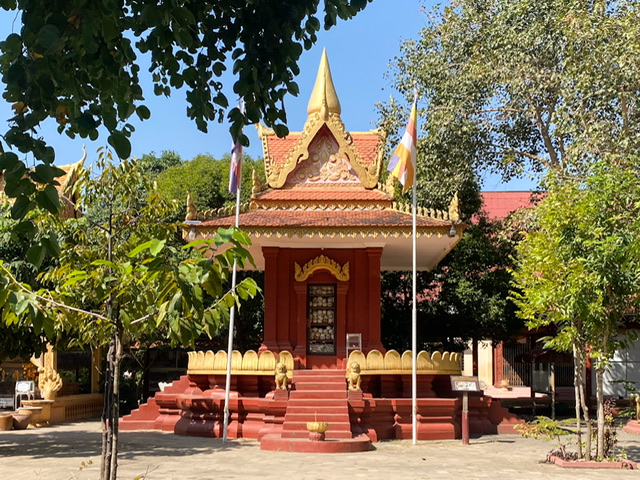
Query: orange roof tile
[279, 148]
[326, 219]
[367, 145]
[498, 205]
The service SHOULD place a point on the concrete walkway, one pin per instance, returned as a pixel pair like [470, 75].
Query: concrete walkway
[58, 452]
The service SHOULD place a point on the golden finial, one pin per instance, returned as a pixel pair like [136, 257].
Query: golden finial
[390, 187]
[454, 208]
[257, 184]
[324, 96]
[192, 211]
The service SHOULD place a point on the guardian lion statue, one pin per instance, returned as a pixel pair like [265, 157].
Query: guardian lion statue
[281, 377]
[353, 376]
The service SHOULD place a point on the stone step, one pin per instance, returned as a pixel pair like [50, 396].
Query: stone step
[318, 394]
[319, 416]
[318, 373]
[320, 385]
[315, 408]
[315, 402]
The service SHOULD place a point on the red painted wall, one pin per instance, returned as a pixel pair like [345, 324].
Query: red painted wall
[358, 302]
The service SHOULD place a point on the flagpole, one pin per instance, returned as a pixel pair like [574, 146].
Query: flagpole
[403, 166]
[414, 330]
[227, 390]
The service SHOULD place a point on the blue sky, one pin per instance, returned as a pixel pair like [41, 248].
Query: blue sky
[359, 50]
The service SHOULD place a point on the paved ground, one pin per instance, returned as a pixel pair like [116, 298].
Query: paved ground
[58, 452]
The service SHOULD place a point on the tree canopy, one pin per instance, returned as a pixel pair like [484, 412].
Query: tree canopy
[521, 87]
[78, 63]
[579, 270]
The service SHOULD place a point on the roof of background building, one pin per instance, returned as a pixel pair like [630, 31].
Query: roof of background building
[497, 205]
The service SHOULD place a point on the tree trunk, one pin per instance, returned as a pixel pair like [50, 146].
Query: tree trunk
[115, 406]
[105, 466]
[581, 369]
[577, 387]
[600, 403]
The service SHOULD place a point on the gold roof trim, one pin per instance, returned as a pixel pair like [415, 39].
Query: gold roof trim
[333, 232]
[325, 205]
[322, 263]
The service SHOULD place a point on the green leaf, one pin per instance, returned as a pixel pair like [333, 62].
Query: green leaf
[120, 143]
[8, 160]
[156, 246]
[48, 199]
[139, 249]
[21, 207]
[36, 254]
[143, 112]
[48, 35]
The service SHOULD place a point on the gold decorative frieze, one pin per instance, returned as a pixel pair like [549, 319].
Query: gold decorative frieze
[447, 363]
[322, 263]
[335, 232]
[249, 363]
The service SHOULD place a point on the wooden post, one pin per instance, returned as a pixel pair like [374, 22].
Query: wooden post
[465, 418]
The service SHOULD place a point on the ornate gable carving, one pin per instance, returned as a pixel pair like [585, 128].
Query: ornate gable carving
[322, 263]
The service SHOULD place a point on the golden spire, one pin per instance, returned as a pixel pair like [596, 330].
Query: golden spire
[324, 93]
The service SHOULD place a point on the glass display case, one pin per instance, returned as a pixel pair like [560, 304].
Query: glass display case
[321, 319]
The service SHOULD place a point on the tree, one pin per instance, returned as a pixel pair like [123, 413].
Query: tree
[16, 242]
[465, 297]
[207, 179]
[579, 270]
[521, 86]
[117, 280]
[78, 63]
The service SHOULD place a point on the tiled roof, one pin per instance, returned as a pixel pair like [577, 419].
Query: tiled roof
[368, 145]
[328, 219]
[499, 205]
[278, 149]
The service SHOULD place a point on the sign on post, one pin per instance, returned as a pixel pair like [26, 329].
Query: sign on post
[465, 385]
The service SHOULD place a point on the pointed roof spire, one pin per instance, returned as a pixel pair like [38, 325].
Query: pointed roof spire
[324, 93]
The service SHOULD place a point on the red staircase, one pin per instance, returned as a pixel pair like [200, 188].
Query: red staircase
[319, 396]
[149, 415]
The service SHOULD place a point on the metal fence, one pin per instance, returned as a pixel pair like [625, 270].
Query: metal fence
[519, 373]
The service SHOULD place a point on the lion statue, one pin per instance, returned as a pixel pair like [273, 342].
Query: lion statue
[353, 376]
[281, 377]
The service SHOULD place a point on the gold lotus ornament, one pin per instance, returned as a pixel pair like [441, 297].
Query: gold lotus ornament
[317, 429]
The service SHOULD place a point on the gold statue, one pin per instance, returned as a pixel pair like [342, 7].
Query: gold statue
[192, 211]
[353, 376]
[635, 397]
[49, 381]
[281, 377]
[257, 184]
[454, 208]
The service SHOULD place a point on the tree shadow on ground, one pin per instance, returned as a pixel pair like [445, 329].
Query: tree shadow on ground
[58, 442]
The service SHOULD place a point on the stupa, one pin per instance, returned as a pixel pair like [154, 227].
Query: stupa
[322, 229]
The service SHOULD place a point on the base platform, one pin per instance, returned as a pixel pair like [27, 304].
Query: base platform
[275, 442]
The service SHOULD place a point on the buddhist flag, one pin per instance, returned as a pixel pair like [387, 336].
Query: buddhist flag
[235, 171]
[403, 162]
[236, 167]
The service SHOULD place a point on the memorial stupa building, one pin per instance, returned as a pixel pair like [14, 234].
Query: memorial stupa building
[323, 228]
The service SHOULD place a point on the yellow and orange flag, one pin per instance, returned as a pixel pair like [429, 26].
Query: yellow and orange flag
[403, 162]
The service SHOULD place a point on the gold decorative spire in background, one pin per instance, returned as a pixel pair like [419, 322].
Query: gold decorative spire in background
[324, 93]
